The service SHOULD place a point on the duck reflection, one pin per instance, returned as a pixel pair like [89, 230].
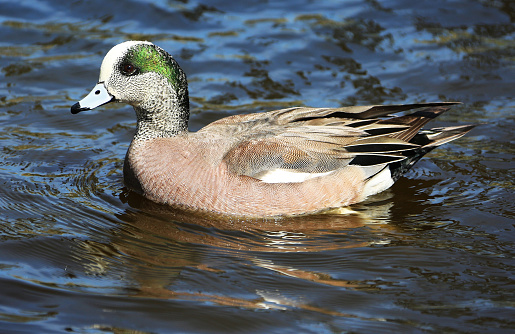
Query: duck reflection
[281, 234]
[156, 248]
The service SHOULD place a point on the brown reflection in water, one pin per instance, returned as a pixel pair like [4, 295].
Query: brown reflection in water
[281, 234]
[264, 302]
[157, 244]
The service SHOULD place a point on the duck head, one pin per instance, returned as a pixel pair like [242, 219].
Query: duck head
[144, 76]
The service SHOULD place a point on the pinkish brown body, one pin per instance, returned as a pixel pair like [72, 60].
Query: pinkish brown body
[189, 172]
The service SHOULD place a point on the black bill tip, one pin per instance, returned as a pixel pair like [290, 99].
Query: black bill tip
[76, 108]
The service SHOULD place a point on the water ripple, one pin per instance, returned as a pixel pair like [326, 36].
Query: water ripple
[80, 254]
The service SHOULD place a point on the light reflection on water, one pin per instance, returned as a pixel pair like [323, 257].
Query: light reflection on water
[79, 254]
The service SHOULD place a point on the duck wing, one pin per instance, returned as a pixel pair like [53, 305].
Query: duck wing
[296, 144]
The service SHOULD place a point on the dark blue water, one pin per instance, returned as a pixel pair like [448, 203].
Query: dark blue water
[433, 254]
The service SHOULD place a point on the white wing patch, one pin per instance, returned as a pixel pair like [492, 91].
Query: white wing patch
[287, 176]
[379, 182]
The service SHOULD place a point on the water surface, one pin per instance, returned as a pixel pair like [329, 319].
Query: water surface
[79, 254]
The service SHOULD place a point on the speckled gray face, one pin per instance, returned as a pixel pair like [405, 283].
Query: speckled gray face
[148, 78]
[131, 72]
[100, 95]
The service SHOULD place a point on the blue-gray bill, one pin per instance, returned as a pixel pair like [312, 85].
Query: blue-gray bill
[97, 97]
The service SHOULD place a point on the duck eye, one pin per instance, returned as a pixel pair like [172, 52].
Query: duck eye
[128, 69]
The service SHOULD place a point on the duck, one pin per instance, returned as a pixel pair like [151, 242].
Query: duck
[287, 162]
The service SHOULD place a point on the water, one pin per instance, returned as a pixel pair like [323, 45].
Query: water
[433, 254]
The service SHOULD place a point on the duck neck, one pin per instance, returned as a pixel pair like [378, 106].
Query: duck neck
[162, 118]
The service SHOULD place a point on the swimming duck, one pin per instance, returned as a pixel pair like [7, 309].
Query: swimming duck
[292, 161]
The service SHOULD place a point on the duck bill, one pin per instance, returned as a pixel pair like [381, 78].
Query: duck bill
[97, 97]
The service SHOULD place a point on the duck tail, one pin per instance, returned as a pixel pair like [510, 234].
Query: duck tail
[428, 140]
[384, 174]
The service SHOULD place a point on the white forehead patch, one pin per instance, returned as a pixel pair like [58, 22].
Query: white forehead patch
[111, 58]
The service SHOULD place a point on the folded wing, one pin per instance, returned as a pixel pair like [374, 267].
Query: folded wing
[296, 144]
